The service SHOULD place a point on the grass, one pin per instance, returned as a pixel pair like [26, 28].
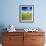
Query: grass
[26, 16]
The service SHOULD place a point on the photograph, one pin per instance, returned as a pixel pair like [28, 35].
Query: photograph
[26, 13]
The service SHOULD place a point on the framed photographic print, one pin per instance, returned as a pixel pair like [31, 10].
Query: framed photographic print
[26, 13]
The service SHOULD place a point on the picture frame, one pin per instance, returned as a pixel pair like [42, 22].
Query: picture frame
[26, 13]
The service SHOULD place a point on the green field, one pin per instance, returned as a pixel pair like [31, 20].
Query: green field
[26, 16]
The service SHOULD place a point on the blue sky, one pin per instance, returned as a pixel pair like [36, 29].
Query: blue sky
[27, 8]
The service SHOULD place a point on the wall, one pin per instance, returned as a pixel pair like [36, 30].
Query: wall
[9, 13]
